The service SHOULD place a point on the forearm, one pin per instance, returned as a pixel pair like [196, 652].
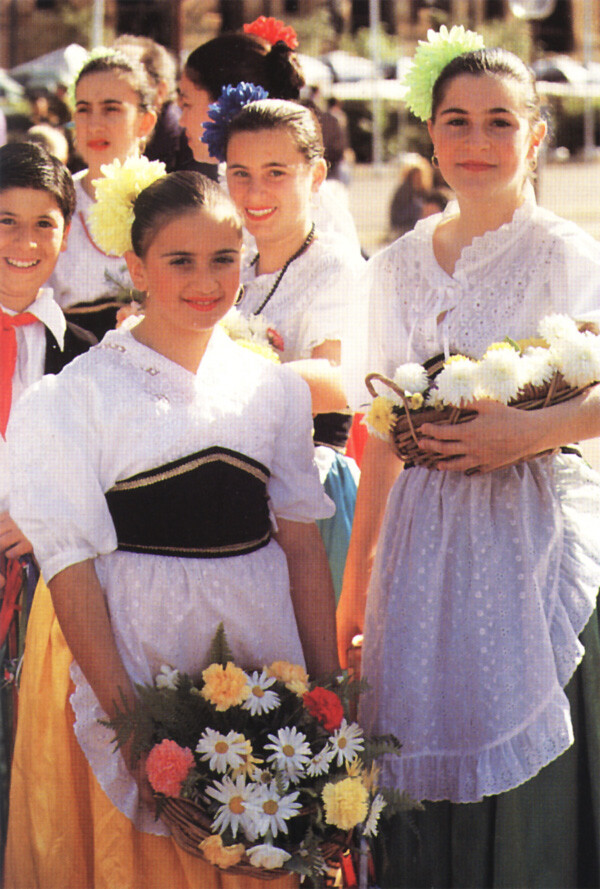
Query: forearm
[81, 609]
[571, 421]
[312, 594]
[325, 384]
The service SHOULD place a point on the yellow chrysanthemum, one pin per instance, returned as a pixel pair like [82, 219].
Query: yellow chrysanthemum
[225, 687]
[217, 854]
[111, 217]
[249, 765]
[416, 401]
[346, 803]
[294, 676]
[266, 351]
[380, 419]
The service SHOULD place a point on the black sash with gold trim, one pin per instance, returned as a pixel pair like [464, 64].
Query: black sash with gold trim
[207, 505]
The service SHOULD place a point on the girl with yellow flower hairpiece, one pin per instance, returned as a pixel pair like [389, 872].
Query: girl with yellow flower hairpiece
[179, 492]
[481, 599]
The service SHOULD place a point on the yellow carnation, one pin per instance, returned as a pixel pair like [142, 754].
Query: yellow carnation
[111, 217]
[222, 856]
[381, 417]
[346, 803]
[294, 676]
[225, 686]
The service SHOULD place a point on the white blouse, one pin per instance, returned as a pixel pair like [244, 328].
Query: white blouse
[121, 409]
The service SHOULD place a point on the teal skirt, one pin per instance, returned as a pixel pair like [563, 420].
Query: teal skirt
[544, 834]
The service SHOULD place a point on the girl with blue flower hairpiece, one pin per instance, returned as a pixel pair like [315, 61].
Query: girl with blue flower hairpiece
[481, 638]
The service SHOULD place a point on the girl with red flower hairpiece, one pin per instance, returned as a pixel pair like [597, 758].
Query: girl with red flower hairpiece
[272, 30]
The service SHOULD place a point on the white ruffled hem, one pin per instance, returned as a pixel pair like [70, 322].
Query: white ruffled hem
[107, 764]
[468, 777]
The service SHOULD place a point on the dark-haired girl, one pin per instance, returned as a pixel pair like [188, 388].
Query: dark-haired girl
[134, 587]
[481, 600]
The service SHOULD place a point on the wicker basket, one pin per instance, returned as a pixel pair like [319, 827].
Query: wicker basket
[190, 825]
[405, 431]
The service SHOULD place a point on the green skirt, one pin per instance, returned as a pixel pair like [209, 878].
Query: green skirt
[544, 834]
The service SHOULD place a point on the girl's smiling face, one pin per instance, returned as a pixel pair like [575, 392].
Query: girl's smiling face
[190, 271]
[109, 122]
[271, 183]
[483, 138]
[32, 234]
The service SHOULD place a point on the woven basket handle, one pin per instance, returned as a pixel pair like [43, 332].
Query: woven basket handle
[391, 385]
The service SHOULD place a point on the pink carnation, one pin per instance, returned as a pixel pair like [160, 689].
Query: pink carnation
[167, 766]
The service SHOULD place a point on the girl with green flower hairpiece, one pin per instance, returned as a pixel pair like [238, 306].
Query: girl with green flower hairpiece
[481, 638]
[176, 491]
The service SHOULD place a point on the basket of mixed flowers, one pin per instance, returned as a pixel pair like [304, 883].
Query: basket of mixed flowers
[562, 364]
[260, 773]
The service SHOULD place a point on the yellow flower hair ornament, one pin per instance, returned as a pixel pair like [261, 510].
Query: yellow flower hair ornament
[431, 57]
[111, 217]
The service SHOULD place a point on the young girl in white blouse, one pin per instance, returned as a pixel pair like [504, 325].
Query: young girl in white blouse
[482, 583]
[179, 491]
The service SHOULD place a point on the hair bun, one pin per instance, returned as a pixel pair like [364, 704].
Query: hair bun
[284, 72]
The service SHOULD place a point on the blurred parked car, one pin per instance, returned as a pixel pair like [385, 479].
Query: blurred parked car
[564, 69]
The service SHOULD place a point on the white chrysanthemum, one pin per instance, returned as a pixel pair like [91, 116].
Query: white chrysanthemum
[111, 216]
[347, 742]
[261, 699]
[319, 764]
[578, 358]
[411, 378]
[238, 327]
[291, 752]
[372, 822]
[166, 677]
[222, 752]
[456, 383]
[499, 374]
[267, 856]
[537, 366]
[431, 57]
[557, 327]
[237, 808]
[274, 810]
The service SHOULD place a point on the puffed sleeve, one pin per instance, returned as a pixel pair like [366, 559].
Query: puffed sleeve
[295, 490]
[575, 273]
[56, 497]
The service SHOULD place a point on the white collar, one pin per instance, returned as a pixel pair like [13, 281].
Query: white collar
[46, 309]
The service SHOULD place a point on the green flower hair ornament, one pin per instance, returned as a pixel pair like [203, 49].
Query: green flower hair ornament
[111, 217]
[99, 52]
[431, 57]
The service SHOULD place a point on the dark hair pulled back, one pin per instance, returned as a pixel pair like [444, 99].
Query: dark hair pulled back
[499, 62]
[232, 58]
[270, 114]
[172, 196]
[28, 165]
[131, 69]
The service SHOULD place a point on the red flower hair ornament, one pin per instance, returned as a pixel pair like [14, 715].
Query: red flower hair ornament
[272, 30]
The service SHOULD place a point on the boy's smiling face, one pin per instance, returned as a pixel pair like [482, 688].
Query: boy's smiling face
[32, 235]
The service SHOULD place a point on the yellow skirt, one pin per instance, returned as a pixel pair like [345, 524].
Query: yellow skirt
[63, 832]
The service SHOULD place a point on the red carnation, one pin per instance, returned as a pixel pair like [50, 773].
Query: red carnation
[275, 339]
[325, 706]
[272, 30]
[167, 766]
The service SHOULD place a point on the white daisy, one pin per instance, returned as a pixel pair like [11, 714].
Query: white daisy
[222, 752]
[499, 374]
[347, 741]
[457, 381]
[319, 764]
[261, 700]
[237, 808]
[557, 327]
[167, 677]
[274, 810]
[267, 856]
[411, 378]
[371, 824]
[291, 752]
[578, 358]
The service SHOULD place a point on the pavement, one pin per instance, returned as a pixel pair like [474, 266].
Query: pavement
[571, 189]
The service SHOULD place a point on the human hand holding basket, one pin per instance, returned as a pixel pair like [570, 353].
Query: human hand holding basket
[259, 773]
[527, 376]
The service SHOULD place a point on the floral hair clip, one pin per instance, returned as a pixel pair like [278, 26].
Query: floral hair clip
[272, 30]
[221, 112]
[111, 217]
[431, 57]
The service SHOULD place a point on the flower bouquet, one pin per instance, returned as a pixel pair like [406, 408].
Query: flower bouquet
[260, 773]
[253, 333]
[531, 374]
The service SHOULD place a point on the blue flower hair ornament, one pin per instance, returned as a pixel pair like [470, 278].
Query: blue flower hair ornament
[221, 112]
